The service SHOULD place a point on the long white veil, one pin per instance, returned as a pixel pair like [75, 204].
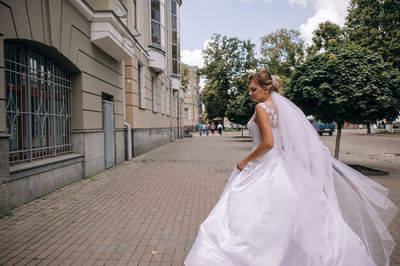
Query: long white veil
[362, 203]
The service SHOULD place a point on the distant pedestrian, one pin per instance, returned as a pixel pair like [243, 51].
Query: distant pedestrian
[212, 128]
[200, 128]
[207, 129]
[219, 127]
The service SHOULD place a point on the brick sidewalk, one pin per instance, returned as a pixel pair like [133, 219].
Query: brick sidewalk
[143, 212]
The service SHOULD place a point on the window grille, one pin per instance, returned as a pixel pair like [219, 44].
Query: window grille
[38, 105]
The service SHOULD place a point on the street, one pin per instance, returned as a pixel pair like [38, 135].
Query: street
[147, 211]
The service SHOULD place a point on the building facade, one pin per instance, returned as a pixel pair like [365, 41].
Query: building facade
[70, 103]
[154, 96]
[192, 105]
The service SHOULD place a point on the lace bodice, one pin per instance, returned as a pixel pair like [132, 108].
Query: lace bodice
[272, 112]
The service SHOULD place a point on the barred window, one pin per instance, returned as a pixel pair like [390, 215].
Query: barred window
[38, 105]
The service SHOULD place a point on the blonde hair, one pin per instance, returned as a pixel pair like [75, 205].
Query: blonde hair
[265, 80]
[277, 83]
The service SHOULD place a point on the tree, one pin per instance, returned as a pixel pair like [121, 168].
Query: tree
[281, 51]
[185, 77]
[227, 61]
[376, 25]
[327, 34]
[346, 83]
[215, 100]
[241, 109]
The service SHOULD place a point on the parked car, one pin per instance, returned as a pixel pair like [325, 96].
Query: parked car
[322, 128]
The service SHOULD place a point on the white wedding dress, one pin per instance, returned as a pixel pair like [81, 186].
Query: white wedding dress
[295, 206]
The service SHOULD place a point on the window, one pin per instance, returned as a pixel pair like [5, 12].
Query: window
[153, 93]
[175, 104]
[157, 23]
[162, 98]
[140, 86]
[186, 114]
[168, 111]
[134, 14]
[175, 38]
[38, 105]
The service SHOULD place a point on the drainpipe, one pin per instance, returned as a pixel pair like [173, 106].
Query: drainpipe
[128, 142]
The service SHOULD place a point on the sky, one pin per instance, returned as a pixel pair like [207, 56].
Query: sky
[251, 19]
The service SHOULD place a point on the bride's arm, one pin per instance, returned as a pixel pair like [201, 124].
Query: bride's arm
[262, 120]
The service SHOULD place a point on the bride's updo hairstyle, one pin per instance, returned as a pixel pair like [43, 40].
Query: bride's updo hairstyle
[265, 80]
[277, 83]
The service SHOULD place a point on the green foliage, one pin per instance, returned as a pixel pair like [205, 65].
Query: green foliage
[227, 64]
[6, 214]
[185, 77]
[346, 83]
[215, 100]
[281, 51]
[376, 25]
[241, 109]
[327, 35]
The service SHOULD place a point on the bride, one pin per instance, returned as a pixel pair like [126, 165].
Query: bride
[289, 202]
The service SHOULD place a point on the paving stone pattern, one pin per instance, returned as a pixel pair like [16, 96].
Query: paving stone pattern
[143, 212]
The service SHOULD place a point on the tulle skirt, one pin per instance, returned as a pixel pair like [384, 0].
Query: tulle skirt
[272, 213]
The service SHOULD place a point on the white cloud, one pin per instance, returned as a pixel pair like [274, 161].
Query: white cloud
[333, 10]
[195, 58]
[251, 1]
[192, 57]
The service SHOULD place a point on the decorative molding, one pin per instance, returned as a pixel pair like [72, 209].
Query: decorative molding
[110, 40]
[108, 31]
[176, 83]
[157, 60]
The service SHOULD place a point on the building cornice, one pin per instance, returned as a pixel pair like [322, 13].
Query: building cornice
[109, 32]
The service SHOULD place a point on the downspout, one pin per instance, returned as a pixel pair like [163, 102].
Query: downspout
[128, 141]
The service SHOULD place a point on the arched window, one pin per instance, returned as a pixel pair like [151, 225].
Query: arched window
[38, 104]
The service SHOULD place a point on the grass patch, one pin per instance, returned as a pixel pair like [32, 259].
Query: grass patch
[230, 130]
[385, 132]
[7, 214]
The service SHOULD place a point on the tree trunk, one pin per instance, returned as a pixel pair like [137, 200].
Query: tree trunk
[338, 135]
[242, 131]
[368, 128]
